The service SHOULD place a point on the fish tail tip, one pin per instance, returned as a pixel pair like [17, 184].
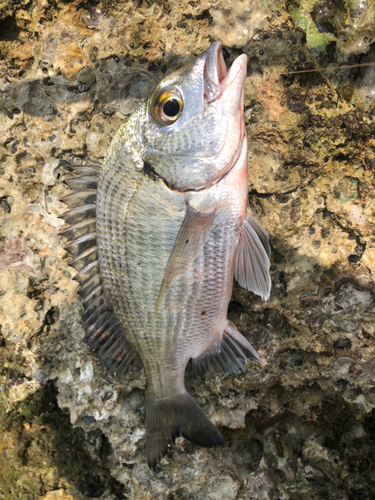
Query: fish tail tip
[168, 418]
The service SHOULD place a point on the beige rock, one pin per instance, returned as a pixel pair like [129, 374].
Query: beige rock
[236, 22]
[311, 182]
[57, 495]
[69, 59]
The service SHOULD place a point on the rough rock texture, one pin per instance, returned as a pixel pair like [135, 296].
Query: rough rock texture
[302, 426]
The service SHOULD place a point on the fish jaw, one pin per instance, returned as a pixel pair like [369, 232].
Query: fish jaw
[233, 86]
[215, 71]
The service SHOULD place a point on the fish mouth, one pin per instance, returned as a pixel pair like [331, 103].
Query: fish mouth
[219, 81]
[215, 71]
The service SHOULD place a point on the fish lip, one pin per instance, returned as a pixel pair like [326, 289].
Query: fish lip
[217, 79]
[236, 75]
[215, 70]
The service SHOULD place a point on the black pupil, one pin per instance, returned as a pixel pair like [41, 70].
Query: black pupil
[171, 108]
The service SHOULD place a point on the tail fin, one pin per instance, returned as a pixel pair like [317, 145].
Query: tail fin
[168, 418]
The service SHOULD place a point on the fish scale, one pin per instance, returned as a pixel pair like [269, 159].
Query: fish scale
[156, 265]
[130, 288]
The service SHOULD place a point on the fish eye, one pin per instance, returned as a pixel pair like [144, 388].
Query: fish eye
[167, 107]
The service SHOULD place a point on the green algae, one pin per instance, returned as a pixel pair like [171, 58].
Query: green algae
[316, 40]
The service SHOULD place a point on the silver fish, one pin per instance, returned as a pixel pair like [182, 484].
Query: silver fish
[158, 234]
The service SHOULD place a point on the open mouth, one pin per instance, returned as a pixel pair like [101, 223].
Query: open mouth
[216, 76]
[215, 71]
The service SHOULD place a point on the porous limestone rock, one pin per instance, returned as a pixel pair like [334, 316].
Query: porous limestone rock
[302, 425]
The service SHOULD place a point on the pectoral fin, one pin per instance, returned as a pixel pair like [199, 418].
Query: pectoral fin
[252, 259]
[190, 240]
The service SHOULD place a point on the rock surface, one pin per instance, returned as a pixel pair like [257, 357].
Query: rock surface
[302, 426]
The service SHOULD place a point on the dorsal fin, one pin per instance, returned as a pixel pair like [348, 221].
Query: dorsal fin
[103, 331]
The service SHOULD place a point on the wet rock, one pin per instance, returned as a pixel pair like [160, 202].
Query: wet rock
[57, 495]
[7, 9]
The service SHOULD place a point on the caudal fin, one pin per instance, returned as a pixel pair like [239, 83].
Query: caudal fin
[168, 418]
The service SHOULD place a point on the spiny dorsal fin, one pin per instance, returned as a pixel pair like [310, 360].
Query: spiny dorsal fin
[79, 198]
[80, 229]
[103, 331]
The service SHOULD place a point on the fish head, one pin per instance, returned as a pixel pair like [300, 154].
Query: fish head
[194, 127]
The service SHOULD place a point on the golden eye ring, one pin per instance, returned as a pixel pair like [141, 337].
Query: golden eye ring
[167, 107]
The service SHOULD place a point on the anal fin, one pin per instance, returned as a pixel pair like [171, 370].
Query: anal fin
[230, 357]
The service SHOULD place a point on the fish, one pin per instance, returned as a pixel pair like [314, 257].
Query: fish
[157, 234]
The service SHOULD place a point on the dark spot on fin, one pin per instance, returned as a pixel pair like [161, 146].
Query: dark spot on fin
[230, 357]
[151, 173]
[103, 331]
[168, 418]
